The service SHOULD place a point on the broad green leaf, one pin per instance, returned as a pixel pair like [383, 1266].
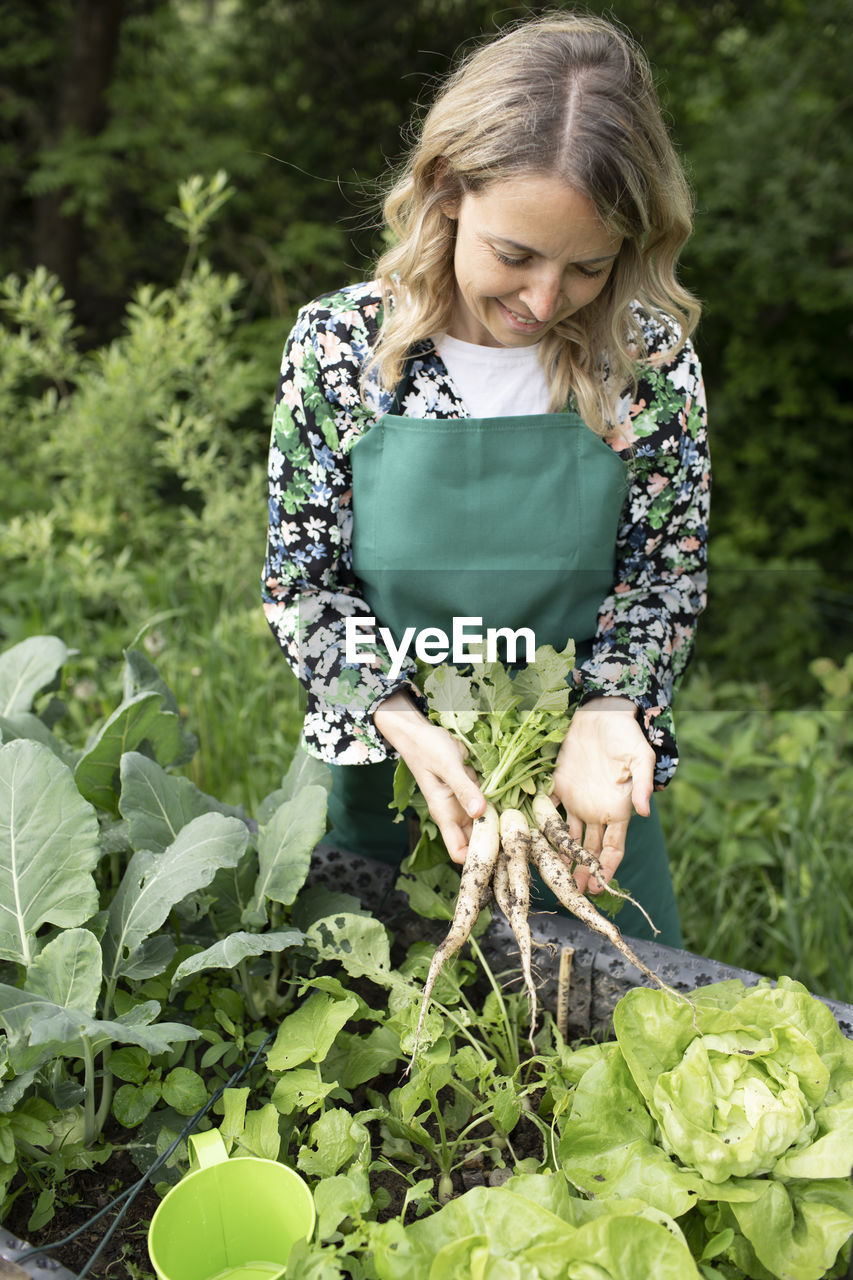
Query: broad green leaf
[285, 845]
[151, 958]
[130, 1064]
[318, 901]
[156, 1037]
[312, 1260]
[300, 1090]
[33, 1021]
[24, 725]
[404, 786]
[607, 1148]
[139, 721]
[23, 1066]
[451, 699]
[831, 1154]
[432, 893]
[309, 1032]
[347, 1195]
[231, 891]
[27, 668]
[333, 1141]
[507, 1107]
[497, 690]
[43, 1211]
[304, 772]
[7, 1142]
[132, 1103]
[68, 971]
[355, 1059]
[157, 804]
[48, 849]
[260, 1136]
[359, 943]
[548, 673]
[184, 1090]
[233, 1113]
[497, 1232]
[618, 1246]
[141, 676]
[791, 1001]
[797, 1230]
[154, 883]
[228, 952]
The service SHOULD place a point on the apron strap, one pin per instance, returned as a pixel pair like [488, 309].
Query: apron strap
[395, 409]
[419, 349]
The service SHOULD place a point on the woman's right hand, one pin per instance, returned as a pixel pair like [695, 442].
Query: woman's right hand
[436, 760]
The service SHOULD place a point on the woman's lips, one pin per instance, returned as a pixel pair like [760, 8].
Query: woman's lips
[517, 322]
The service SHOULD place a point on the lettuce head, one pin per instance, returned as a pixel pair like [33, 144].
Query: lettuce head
[735, 1107]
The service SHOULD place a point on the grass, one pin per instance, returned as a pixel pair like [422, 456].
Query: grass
[757, 821]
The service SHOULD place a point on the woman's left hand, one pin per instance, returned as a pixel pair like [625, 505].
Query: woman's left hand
[605, 768]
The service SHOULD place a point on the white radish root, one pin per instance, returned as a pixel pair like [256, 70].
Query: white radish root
[475, 887]
[557, 876]
[514, 888]
[558, 835]
[498, 861]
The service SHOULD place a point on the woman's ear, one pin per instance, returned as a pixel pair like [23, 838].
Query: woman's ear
[446, 187]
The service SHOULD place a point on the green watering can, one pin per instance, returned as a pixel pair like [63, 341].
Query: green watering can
[229, 1219]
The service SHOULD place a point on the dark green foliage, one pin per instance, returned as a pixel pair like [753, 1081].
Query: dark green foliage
[307, 104]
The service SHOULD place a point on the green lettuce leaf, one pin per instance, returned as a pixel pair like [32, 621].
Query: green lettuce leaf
[509, 1232]
[739, 1106]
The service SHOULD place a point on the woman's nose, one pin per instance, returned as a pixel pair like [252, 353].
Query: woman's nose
[543, 297]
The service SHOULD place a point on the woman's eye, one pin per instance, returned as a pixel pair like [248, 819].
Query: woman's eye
[509, 262]
[591, 274]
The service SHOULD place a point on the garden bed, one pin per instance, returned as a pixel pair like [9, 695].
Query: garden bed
[599, 975]
[581, 980]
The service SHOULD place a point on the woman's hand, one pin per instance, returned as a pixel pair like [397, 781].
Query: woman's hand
[605, 768]
[436, 761]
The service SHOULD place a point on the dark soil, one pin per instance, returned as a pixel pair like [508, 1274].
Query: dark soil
[125, 1256]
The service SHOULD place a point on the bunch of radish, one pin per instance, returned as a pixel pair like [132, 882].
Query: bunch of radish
[512, 728]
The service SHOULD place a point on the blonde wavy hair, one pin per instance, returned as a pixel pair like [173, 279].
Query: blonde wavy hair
[567, 95]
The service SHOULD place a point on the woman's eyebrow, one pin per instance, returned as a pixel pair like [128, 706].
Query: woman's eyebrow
[525, 248]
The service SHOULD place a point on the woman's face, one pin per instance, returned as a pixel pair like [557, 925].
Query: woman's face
[530, 251]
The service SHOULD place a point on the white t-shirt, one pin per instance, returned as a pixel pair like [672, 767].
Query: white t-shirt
[495, 382]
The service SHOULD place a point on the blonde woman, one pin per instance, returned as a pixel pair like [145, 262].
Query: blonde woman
[507, 424]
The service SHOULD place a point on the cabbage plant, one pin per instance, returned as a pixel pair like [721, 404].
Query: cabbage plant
[734, 1116]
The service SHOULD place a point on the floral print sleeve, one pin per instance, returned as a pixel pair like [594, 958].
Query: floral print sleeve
[646, 625]
[308, 586]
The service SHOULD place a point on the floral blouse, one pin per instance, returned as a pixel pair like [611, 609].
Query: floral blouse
[646, 623]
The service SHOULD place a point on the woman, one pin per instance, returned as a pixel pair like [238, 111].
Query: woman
[507, 424]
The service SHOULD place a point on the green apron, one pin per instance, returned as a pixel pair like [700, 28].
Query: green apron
[512, 521]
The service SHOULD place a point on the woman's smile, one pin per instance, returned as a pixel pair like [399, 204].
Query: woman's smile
[525, 323]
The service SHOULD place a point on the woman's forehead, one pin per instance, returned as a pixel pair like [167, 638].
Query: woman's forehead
[540, 213]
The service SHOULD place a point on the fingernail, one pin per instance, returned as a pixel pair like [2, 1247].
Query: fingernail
[472, 808]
